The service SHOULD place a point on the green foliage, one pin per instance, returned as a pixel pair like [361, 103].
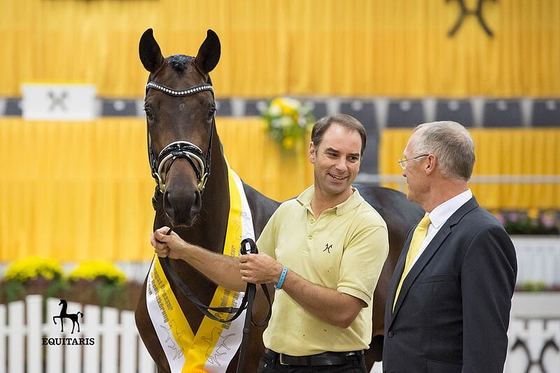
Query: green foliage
[533, 286]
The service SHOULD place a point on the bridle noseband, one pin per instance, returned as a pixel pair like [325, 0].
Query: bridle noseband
[180, 149]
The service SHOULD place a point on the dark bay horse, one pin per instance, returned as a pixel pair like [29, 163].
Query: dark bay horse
[192, 193]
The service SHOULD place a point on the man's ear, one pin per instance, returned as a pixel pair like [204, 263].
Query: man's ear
[431, 163]
[311, 153]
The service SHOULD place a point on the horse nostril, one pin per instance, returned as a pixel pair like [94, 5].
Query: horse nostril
[168, 206]
[182, 206]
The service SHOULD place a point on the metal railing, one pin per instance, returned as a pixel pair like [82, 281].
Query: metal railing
[486, 179]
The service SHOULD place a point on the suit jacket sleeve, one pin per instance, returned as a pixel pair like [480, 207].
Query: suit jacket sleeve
[488, 277]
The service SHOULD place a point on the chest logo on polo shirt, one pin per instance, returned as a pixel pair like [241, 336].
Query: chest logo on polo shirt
[328, 248]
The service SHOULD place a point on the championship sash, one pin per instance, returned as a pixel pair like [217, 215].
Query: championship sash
[213, 346]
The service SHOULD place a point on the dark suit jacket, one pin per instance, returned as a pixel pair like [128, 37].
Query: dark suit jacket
[452, 314]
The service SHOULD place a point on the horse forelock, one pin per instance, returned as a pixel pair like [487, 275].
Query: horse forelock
[180, 62]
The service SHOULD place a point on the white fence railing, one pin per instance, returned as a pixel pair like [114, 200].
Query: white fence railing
[538, 259]
[108, 341]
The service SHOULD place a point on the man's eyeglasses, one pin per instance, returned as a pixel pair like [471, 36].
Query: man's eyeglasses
[403, 162]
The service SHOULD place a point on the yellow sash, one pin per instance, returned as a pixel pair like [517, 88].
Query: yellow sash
[213, 346]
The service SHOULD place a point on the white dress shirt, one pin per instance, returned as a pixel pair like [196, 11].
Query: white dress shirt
[439, 216]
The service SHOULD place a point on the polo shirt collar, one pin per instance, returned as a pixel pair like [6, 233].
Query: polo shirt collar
[350, 204]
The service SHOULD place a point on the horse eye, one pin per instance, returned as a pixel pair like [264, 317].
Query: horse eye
[211, 113]
[149, 113]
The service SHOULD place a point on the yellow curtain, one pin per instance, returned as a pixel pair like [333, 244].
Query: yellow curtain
[314, 47]
[500, 153]
[77, 190]
[82, 190]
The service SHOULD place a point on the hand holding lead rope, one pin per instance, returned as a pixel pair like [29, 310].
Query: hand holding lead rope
[252, 247]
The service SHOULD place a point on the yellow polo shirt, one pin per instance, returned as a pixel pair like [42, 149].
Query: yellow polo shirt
[344, 249]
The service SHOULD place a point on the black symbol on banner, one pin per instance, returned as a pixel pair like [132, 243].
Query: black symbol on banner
[64, 315]
[470, 12]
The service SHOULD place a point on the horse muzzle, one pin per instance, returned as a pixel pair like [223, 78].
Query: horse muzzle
[182, 203]
[181, 192]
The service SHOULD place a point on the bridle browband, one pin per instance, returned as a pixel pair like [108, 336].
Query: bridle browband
[180, 149]
[184, 92]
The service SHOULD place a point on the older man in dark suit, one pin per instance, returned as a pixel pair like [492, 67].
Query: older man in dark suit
[449, 300]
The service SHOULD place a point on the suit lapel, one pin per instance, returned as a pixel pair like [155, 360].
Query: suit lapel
[425, 257]
[397, 273]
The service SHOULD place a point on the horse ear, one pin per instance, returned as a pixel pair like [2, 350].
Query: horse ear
[209, 53]
[150, 53]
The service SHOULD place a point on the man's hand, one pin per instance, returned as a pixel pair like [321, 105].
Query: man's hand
[259, 268]
[168, 245]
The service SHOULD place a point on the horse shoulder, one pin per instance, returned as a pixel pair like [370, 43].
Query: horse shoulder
[261, 207]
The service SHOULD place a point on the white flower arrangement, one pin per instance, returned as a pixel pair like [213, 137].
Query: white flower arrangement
[288, 120]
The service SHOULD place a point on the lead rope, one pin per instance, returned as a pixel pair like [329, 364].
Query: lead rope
[250, 294]
[246, 303]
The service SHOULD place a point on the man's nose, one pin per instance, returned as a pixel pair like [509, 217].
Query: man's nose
[341, 163]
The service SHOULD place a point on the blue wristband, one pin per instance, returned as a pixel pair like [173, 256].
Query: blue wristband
[278, 286]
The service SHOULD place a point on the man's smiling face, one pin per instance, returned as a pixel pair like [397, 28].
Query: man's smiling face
[336, 160]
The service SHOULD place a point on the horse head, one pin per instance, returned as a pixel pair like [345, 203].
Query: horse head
[180, 109]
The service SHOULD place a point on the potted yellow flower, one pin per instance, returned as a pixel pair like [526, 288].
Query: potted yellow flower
[96, 282]
[33, 275]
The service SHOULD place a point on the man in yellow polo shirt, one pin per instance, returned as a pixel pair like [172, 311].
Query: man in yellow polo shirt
[324, 252]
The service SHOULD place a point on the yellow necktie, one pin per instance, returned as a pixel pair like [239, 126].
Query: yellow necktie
[417, 239]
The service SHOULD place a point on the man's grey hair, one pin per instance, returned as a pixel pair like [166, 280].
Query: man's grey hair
[452, 145]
